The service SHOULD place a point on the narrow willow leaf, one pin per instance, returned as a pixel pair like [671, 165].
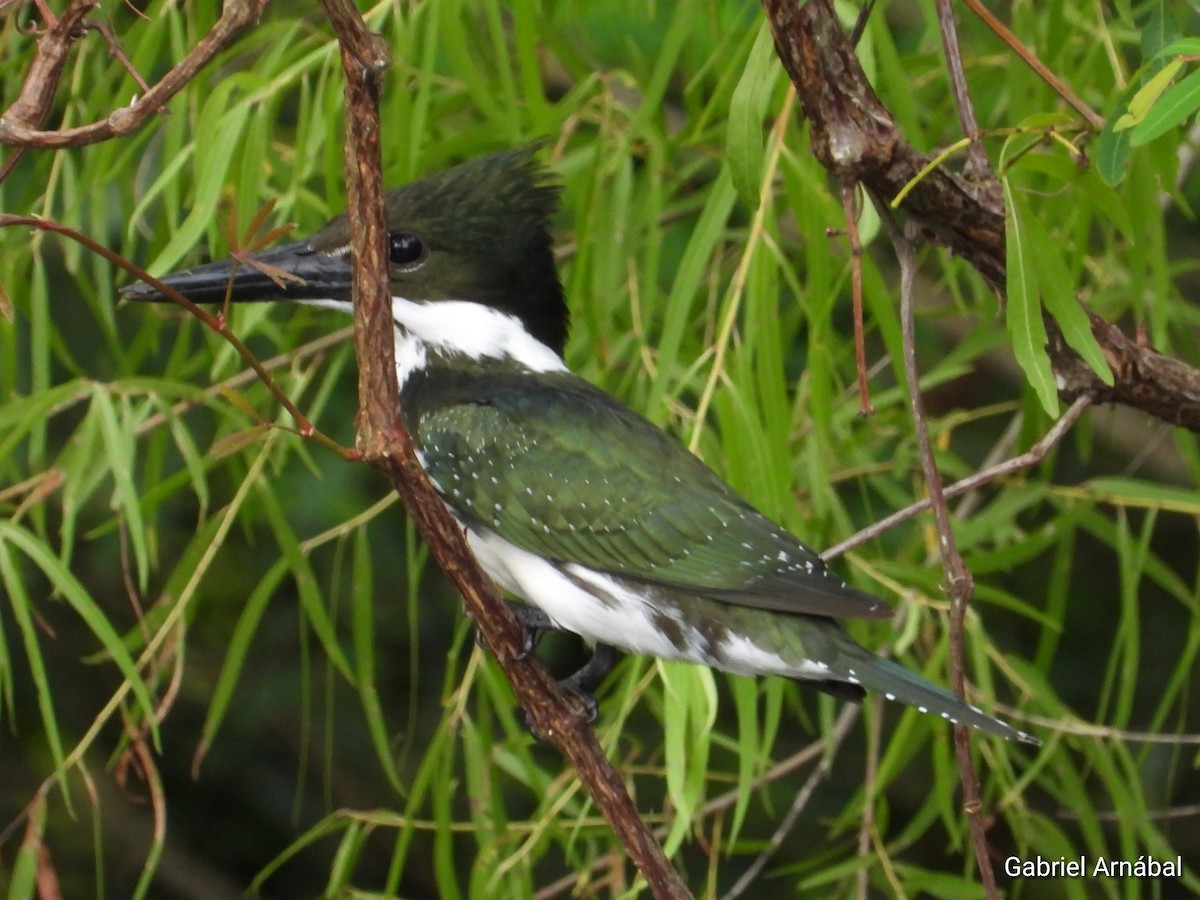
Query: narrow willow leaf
[1113, 149]
[86, 608]
[1147, 495]
[745, 698]
[362, 622]
[231, 443]
[1175, 106]
[222, 125]
[1073, 176]
[747, 106]
[1057, 291]
[193, 460]
[1146, 96]
[688, 717]
[312, 601]
[1182, 47]
[118, 446]
[238, 399]
[677, 316]
[23, 878]
[1024, 311]
[1160, 30]
[22, 609]
[237, 649]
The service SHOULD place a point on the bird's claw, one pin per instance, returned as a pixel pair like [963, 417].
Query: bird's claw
[581, 686]
[533, 624]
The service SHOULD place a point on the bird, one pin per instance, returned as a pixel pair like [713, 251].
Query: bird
[596, 519]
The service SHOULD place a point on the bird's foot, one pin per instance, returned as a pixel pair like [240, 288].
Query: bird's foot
[581, 685]
[533, 624]
[603, 660]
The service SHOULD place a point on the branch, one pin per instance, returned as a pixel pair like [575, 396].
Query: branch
[1143, 378]
[19, 124]
[856, 138]
[384, 443]
[977, 161]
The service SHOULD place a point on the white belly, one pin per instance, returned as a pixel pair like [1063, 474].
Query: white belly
[600, 608]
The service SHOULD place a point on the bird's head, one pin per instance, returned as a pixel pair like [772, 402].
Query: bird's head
[478, 232]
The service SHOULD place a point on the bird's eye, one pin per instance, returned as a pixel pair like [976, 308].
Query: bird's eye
[405, 248]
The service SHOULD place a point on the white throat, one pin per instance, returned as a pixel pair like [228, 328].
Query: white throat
[458, 328]
[463, 328]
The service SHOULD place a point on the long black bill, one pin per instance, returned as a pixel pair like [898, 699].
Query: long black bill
[289, 272]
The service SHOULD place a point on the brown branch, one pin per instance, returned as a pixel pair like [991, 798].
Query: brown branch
[1056, 84]
[856, 138]
[384, 443]
[19, 124]
[33, 104]
[1143, 378]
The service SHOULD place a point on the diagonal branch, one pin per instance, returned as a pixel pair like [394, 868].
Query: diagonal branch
[19, 124]
[383, 443]
[856, 138]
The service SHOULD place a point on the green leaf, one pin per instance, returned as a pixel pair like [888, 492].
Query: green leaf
[1147, 495]
[86, 608]
[1159, 32]
[1057, 291]
[1182, 47]
[118, 445]
[1176, 105]
[237, 649]
[1113, 147]
[1024, 310]
[690, 711]
[22, 609]
[1147, 95]
[747, 106]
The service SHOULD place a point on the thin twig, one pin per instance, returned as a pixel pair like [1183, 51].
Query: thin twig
[1030, 59]
[840, 729]
[217, 323]
[977, 165]
[959, 585]
[20, 122]
[1031, 457]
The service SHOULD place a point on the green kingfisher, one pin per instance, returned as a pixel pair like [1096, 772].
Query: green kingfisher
[598, 520]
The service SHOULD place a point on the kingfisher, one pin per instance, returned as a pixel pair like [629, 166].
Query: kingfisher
[594, 517]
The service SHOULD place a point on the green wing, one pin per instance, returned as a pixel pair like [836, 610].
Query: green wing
[561, 469]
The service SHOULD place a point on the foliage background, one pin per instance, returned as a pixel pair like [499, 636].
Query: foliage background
[328, 725]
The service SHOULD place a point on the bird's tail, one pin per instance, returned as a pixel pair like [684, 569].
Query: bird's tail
[897, 683]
